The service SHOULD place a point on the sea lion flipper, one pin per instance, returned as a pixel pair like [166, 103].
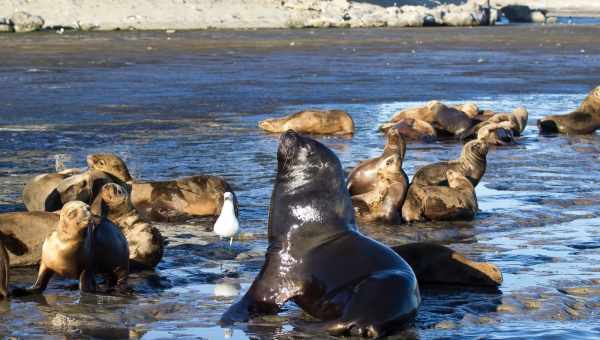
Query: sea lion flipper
[4, 265]
[44, 276]
[87, 281]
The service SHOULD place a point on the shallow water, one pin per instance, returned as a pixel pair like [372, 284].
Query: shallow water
[190, 105]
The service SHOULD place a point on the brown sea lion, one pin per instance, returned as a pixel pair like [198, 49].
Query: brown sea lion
[4, 271]
[173, 200]
[440, 203]
[440, 265]
[23, 234]
[363, 177]
[584, 120]
[146, 244]
[318, 259]
[515, 122]
[326, 122]
[49, 192]
[446, 120]
[496, 134]
[472, 164]
[413, 129]
[82, 246]
[470, 109]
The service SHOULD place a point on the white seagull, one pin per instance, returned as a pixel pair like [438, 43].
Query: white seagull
[227, 224]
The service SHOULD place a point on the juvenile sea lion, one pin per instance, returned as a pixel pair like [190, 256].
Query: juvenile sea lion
[317, 257]
[23, 234]
[173, 200]
[363, 177]
[80, 247]
[437, 264]
[333, 122]
[146, 244]
[496, 134]
[584, 120]
[413, 129]
[471, 164]
[440, 203]
[4, 268]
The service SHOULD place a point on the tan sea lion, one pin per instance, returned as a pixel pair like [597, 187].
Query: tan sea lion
[413, 129]
[470, 109]
[4, 274]
[472, 164]
[496, 134]
[515, 121]
[82, 246]
[312, 122]
[440, 265]
[173, 200]
[584, 120]
[146, 244]
[446, 120]
[23, 235]
[363, 177]
[439, 203]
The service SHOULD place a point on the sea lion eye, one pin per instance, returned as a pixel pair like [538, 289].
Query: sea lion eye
[101, 162]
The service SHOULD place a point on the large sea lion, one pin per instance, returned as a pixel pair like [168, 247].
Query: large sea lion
[363, 177]
[23, 234]
[440, 265]
[413, 129]
[317, 257]
[496, 134]
[146, 244]
[457, 201]
[4, 268]
[80, 247]
[173, 200]
[49, 192]
[333, 122]
[504, 126]
[584, 120]
[471, 164]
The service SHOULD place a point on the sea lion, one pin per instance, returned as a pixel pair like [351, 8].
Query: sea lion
[440, 265]
[471, 164]
[413, 129]
[23, 235]
[495, 122]
[496, 134]
[328, 122]
[470, 109]
[4, 268]
[80, 247]
[173, 200]
[363, 177]
[446, 120]
[440, 203]
[146, 244]
[49, 192]
[317, 257]
[584, 120]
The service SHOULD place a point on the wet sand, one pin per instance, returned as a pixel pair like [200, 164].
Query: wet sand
[190, 105]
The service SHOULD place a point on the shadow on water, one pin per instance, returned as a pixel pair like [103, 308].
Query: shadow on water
[194, 109]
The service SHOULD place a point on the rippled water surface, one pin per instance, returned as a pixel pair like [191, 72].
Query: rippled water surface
[189, 103]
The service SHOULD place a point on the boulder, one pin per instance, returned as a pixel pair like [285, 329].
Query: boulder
[520, 13]
[25, 22]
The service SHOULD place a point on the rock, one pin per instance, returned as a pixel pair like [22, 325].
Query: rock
[459, 19]
[24, 22]
[520, 13]
[538, 17]
[5, 28]
[410, 19]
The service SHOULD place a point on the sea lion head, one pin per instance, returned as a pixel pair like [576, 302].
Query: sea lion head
[496, 133]
[111, 164]
[75, 216]
[470, 109]
[591, 104]
[113, 200]
[114, 194]
[395, 143]
[474, 150]
[522, 115]
[310, 194]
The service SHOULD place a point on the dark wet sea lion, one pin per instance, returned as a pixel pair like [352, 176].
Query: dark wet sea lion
[312, 121]
[173, 200]
[23, 234]
[146, 244]
[318, 259]
[584, 120]
[440, 265]
[471, 164]
[439, 203]
[363, 177]
[413, 129]
[80, 247]
[4, 271]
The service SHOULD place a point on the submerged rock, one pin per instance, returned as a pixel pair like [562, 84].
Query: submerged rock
[24, 22]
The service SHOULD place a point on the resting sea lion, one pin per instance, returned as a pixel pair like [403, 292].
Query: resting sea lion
[471, 164]
[146, 244]
[80, 247]
[439, 203]
[413, 129]
[436, 264]
[584, 120]
[23, 234]
[470, 109]
[312, 121]
[167, 200]
[494, 122]
[363, 178]
[447, 120]
[317, 257]
[4, 268]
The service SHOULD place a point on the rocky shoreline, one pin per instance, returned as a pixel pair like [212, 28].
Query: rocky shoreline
[107, 15]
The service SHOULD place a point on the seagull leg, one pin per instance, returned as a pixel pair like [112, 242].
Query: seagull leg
[230, 242]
